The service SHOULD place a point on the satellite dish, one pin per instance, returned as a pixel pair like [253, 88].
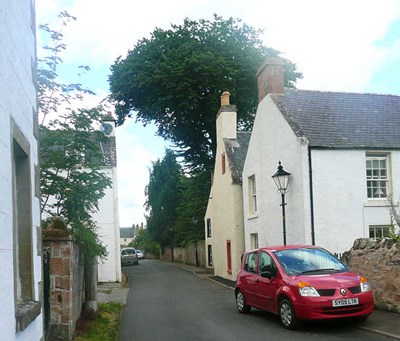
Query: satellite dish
[106, 128]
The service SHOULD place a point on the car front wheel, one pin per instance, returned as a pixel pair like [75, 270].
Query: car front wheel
[287, 315]
[241, 305]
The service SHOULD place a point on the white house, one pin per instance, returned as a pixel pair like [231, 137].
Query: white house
[107, 217]
[127, 235]
[20, 243]
[224, 216]
[343, 153]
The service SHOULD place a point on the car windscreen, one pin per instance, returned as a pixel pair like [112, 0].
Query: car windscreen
[308, 261]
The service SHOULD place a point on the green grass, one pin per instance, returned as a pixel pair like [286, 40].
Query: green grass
[103, 327]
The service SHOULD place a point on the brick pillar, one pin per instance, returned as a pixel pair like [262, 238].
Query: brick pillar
[61, 243]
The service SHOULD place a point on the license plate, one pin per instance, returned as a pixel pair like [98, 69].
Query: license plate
[344, 302]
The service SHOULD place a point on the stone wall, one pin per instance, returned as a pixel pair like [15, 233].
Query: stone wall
[379, 262]
[187, 254]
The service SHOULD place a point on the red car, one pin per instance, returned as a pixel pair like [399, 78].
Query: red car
[301, 282]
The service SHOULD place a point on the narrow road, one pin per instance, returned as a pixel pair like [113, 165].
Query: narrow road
[167, 303]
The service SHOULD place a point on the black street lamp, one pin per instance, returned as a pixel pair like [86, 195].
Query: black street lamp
[281, 179]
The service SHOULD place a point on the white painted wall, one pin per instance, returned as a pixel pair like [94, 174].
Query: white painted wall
[225, 208]
[342, 209]
[17, 101]
[272, 141]
[342, 212]
[107, 219]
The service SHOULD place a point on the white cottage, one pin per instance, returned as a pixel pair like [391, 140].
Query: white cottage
[20, 243]
[224, 216]
[343, 153]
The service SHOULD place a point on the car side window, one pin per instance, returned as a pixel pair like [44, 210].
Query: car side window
[250, 262]
[265, 263]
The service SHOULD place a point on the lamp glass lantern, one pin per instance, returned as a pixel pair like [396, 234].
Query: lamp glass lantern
[281, 179]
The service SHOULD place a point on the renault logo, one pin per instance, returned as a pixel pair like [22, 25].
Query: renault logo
[343, 291]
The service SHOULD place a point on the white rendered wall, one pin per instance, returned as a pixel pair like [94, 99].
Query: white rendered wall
[107, 219]
[17, 102]
[342, 210]
[272, 140]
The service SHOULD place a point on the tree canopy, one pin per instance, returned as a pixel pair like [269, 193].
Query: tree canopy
[175, 79]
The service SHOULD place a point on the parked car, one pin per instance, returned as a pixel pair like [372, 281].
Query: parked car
[129, 256]
[139, 254]
[301, 283]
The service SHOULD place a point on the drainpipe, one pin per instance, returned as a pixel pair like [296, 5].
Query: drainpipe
[311, 197]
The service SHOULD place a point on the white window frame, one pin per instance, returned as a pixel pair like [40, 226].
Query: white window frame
[253, 241]
[377, 177]
[252, 195]
[383, 229]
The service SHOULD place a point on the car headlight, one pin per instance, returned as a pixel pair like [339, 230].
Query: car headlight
[305, 289]
[364, 285]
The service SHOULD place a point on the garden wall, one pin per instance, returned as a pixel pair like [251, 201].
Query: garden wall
[379, 261]
[186, 255]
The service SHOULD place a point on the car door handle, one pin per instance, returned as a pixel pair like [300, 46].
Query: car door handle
[257, 281]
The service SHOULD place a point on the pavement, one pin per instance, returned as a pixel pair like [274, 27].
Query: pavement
[380, 322]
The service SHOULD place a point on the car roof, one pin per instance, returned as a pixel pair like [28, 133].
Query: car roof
[285, 247]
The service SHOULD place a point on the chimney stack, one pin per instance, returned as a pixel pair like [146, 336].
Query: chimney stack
[270, 77]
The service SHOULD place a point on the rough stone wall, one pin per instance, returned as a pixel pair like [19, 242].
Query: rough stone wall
[187, 254]
[379, 262]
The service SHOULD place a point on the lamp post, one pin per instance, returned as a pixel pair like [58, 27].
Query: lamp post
[281, 179]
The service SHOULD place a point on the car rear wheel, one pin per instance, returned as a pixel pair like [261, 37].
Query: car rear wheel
[241, 305]
[287, 314]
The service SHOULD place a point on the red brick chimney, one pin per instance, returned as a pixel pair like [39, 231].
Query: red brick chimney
[270, 77]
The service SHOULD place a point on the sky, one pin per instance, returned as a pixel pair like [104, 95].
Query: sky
[339, 45]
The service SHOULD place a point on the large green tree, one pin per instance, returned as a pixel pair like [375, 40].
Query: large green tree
[175, 79]
[163, 197]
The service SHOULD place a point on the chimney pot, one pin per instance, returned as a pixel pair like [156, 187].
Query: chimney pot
[225, 98]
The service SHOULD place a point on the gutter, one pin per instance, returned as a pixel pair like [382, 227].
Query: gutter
[311, 196]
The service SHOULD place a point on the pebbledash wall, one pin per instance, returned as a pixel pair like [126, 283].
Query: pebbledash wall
[20, 242]
[379, 262]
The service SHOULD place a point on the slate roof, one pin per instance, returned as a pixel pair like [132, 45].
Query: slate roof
[236, 151]
[342, 120]
[126, 232]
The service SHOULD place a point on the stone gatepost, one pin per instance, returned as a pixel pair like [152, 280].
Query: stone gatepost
[61, 320]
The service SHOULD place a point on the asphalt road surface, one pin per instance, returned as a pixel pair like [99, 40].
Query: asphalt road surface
[168, 303]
